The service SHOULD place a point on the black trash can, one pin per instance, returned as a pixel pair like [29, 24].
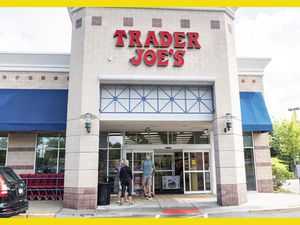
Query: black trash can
[104, 193]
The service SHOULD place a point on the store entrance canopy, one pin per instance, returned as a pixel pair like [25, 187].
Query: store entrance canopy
[255, 116]
[29, 110]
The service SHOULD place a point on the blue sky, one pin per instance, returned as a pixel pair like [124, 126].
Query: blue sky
[260, 32]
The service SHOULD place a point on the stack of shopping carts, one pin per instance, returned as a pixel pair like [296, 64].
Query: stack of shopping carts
[44, 186]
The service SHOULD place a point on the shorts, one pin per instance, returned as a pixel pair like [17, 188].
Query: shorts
[147, 180]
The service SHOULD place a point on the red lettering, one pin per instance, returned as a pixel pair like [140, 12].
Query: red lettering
[178, 58]
[137, 61]
[150, 57]
[193, 40]
[161, 57]
[151, 38]
[120, 34]
[178, 37]
[165, 39]
[135, 38]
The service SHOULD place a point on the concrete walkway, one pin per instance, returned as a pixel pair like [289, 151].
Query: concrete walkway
[170, 205]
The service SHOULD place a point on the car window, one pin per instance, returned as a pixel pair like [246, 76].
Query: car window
[9, 175]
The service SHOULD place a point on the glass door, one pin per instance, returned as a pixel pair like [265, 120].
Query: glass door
[196, 172]
[164, 167]
[136, 159]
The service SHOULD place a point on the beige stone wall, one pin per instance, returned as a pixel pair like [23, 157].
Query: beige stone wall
[263, 165]
[94, 53]
[251, 83]
[33, 80]
[21, 152]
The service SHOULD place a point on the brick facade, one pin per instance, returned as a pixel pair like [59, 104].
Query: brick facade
[231, 194]
[80, 198]
[21, 152]
[263, 165]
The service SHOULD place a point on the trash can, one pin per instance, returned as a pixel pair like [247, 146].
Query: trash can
[104, 193]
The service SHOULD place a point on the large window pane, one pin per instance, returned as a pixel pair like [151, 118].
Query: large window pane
[247, 138]
[62, 142]
[46, 160]
[61, 166]
[181, 137]
[201, 138]
[130, 138]
[250, 169]
[115, 140]
[114, 161]
[207, 181]
[103, 139]
[196, 161]
[138, 161]
[2, 157]
[48, 142]
[163, 162]
[197, 182]
[206, 161]
[3, 142]
[158, 138]
[142, 138]
[102, 164]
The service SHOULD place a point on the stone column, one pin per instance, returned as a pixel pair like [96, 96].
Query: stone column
[229, 153]
[263, 165]
[21, 152]
[81, 165]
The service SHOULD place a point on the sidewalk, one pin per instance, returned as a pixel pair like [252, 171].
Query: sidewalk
[169, 205]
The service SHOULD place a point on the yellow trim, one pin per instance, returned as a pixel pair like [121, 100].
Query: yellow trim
[152, 3]
[177, 221]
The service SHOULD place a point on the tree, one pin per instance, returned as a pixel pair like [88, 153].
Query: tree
[285, 140]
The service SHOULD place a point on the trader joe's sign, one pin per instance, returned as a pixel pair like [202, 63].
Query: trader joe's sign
[165, 46]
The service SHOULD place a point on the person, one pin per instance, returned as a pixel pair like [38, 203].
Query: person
[126, 182]
[122, 162]
[148, 170]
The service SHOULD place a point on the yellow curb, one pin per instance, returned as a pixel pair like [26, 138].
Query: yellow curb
[285, 210]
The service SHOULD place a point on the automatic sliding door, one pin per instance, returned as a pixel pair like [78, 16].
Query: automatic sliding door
[136, 160]
[196, 172]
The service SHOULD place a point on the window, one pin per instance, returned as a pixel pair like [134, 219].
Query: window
[110, 149]
[50, 154]
[154, 99]
[158, 138]
[3, 149]
[249, 161]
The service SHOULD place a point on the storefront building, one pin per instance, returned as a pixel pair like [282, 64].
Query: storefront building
[164, 82]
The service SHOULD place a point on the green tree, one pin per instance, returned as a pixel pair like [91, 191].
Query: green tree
[285, 141]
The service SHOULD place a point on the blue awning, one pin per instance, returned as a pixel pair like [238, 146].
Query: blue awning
[41, 110]
[255, 116]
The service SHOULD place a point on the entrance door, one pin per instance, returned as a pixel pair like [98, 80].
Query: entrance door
[136, 159]
[164, 166]
[196, 172]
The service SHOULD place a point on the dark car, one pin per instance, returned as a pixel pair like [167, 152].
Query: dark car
[12, 193]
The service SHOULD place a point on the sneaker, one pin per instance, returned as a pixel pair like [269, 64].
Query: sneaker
[130, 204]
[149, 198]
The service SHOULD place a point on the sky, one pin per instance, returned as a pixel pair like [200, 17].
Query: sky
[259, 32]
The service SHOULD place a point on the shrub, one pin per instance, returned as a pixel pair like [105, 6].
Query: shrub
[280, 175]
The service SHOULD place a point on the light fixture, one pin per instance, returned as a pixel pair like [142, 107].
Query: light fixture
[294, 109]
[228, 122]
[206, 132]
[88, 117]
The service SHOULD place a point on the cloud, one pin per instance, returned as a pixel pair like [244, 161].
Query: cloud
[35, 29]
[275, 35]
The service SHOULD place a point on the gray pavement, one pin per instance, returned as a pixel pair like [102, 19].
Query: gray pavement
[192, 206]
[292, 185]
